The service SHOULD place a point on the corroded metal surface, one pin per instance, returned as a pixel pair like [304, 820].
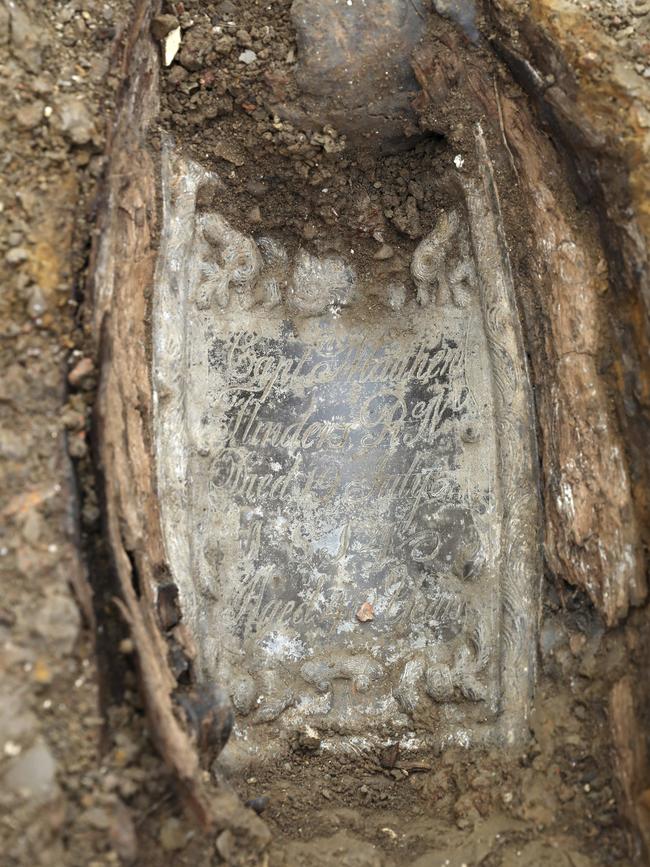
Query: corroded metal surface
[345, 474]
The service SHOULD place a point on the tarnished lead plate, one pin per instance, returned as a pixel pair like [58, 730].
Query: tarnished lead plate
[346, 477]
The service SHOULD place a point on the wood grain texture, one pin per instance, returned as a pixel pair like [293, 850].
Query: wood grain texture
[122, 271]
[593, 351]
[631, 764]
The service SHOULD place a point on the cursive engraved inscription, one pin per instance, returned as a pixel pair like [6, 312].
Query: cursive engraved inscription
[335, 437]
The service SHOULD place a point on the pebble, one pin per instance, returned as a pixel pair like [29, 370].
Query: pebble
[29, 116]
[384, 252]
[365, 613]
[122, 834]
[258, 804]
[257, 188]
[244, 38]
[36, 305]
[17, 722]
[172, 835]
[33, 772]
[57, 621]
[163, 24]
[171, 45]
[226, 846]
[227, 9]
[82, 370]
[16, 256]
[248, 57]
[75, 121]
[309, 739]
[97, 817]
[229, 153]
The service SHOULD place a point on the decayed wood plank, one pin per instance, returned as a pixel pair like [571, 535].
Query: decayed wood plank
[631, 764]
[121, 279]
[595, 406]
[122, 276]
[591, 530]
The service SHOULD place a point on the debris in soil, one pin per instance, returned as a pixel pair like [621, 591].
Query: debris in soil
[365, 613]
[258, 805]
[81, 372]
[308, 739]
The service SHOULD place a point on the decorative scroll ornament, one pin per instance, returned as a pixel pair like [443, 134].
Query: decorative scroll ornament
[315, 461]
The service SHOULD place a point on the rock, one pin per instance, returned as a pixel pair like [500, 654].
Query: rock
[82, 370]
[26, 39]
[77, 446]
[161, 25]
[258, 805]
[122, 834]
[255, 215]
[171, 45]
[196, 43]
[96, 817]
[244, 694]
[17, 722]
[16, 256]
[41, 673]
[365, 613]
[226, 846]
[29, 116]
[42, 84]
[177, 74]
[13, 446]
[308, 739]
[57, 621]
[36, 305]
[407, 218]
[247, 837]
[384, 252]
[227, 9]
[257, 188]
[229, 153]
[461, 12]
[248, 57]
[75, 121]
[33, 772]
[172, 836]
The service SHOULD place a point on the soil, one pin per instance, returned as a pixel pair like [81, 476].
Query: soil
[101, 795]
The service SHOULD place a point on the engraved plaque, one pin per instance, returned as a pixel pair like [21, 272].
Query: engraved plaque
[346, 479]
